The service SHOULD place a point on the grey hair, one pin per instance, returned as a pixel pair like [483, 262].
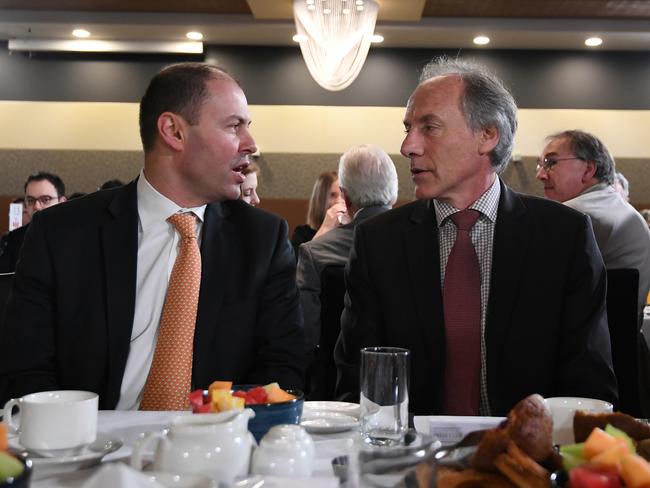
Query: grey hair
[368, 176]
[486, 102]
[588, 147]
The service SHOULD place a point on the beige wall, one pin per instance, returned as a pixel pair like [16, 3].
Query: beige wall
[88, 143]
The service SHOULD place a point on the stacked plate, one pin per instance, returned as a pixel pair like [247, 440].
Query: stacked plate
[330, 417]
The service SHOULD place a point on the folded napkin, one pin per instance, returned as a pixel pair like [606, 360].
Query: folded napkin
[451, 429]
[111, 475]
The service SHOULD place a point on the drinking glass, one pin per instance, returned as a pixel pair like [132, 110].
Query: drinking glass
[384, 395]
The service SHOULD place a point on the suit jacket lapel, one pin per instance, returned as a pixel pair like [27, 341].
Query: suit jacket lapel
[422, 255]
[215, 249]
[511, 245]
[119, 234]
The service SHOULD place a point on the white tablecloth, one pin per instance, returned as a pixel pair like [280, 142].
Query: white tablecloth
[131, 426]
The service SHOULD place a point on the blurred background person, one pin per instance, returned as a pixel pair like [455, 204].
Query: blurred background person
[577, 169]
[249, 186]
[111, 184]
[326, 210]
[77, 194]
[622, 186]
[368, 181]
[42, 190]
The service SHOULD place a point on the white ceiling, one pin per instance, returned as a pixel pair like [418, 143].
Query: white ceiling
[429, 32]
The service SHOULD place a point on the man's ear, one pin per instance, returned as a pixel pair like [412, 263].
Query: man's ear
[590, 171]
[489, 140]
[62, 199]
[171, 128]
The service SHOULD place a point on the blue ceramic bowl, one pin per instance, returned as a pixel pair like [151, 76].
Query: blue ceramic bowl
[269, 414]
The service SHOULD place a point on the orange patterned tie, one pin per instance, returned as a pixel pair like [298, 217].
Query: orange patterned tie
[169, 381]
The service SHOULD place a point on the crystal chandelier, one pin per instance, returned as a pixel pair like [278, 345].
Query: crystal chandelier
[334, 38]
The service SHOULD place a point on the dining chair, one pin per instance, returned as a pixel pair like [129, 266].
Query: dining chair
[6, 280]
[625, 334]
[322, 377]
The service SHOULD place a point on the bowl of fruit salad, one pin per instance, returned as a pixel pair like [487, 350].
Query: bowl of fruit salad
[15, 471]
[272, 405]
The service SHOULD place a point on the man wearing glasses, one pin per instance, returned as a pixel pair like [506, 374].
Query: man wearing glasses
[577, 169]
[42, 190]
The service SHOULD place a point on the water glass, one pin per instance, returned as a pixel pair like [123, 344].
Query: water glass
[384, 395]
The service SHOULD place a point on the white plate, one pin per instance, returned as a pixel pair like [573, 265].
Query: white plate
[329, 417]
[91, 455]
[351, 409]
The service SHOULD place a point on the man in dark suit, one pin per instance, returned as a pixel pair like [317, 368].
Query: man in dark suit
[42, 190]
[88, 294]
[538, 317]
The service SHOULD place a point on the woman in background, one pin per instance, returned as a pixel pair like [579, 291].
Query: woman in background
[249, 186]
[326, 210]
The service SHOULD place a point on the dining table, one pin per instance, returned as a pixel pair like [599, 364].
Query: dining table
[129, 427]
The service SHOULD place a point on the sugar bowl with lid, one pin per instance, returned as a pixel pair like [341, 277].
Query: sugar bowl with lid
[286, 450]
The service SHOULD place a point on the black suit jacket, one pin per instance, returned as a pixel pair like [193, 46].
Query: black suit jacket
[68, 325]
[10, 246]
[546, 326]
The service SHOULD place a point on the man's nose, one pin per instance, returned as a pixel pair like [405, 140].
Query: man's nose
[247, 143]
[410, 146]
[541, 174]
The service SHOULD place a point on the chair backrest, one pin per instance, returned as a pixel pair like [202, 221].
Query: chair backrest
[6, 280]
[625, 334]
[323, 378]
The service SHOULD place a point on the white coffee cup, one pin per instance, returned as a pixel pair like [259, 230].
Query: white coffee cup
[285, 450]
[54, 422]
[562, 410]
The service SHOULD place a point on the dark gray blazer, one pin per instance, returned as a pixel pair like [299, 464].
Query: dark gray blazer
[546, 327]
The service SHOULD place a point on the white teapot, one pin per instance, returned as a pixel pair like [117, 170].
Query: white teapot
[216, 445]
[285, 450]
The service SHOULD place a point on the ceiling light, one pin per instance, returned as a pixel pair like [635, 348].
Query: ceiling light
[377, 38]
[194, 35]
[97, 46]
[359, 2]
[327, 11]
[481, 40]
[346, 11]
[310, 2]
[338, 43]
[593, 41]
[299, 38]
[80, 33]
[311, 7]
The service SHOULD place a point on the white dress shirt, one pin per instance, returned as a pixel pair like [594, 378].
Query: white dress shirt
[158, 244]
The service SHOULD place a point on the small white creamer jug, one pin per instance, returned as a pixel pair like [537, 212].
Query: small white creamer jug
[216, 445]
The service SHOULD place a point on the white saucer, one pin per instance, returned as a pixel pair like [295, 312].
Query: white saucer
[90, 455]
[169, 480]
[323, 422]
[351, 409]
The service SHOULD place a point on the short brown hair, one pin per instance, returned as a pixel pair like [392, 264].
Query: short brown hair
[179, 88]
[251, 168]
[318, 200]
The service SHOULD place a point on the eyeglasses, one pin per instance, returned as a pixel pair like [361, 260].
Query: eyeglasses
[44, 200]
[548, 162]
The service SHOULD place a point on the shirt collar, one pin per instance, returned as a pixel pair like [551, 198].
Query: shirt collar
[154, 207]
[487, 204]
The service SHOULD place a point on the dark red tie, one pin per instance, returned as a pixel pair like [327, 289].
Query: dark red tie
[462, 307]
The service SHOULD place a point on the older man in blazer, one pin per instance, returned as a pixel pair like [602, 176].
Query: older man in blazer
[87, 297]
[537, 322]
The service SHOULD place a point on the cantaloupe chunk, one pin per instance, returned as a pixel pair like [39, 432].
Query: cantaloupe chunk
[271, 386]
[612, 456]
[278, 395]
[597, 442]
[219, 385]
[635, 471]
[216, 395]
